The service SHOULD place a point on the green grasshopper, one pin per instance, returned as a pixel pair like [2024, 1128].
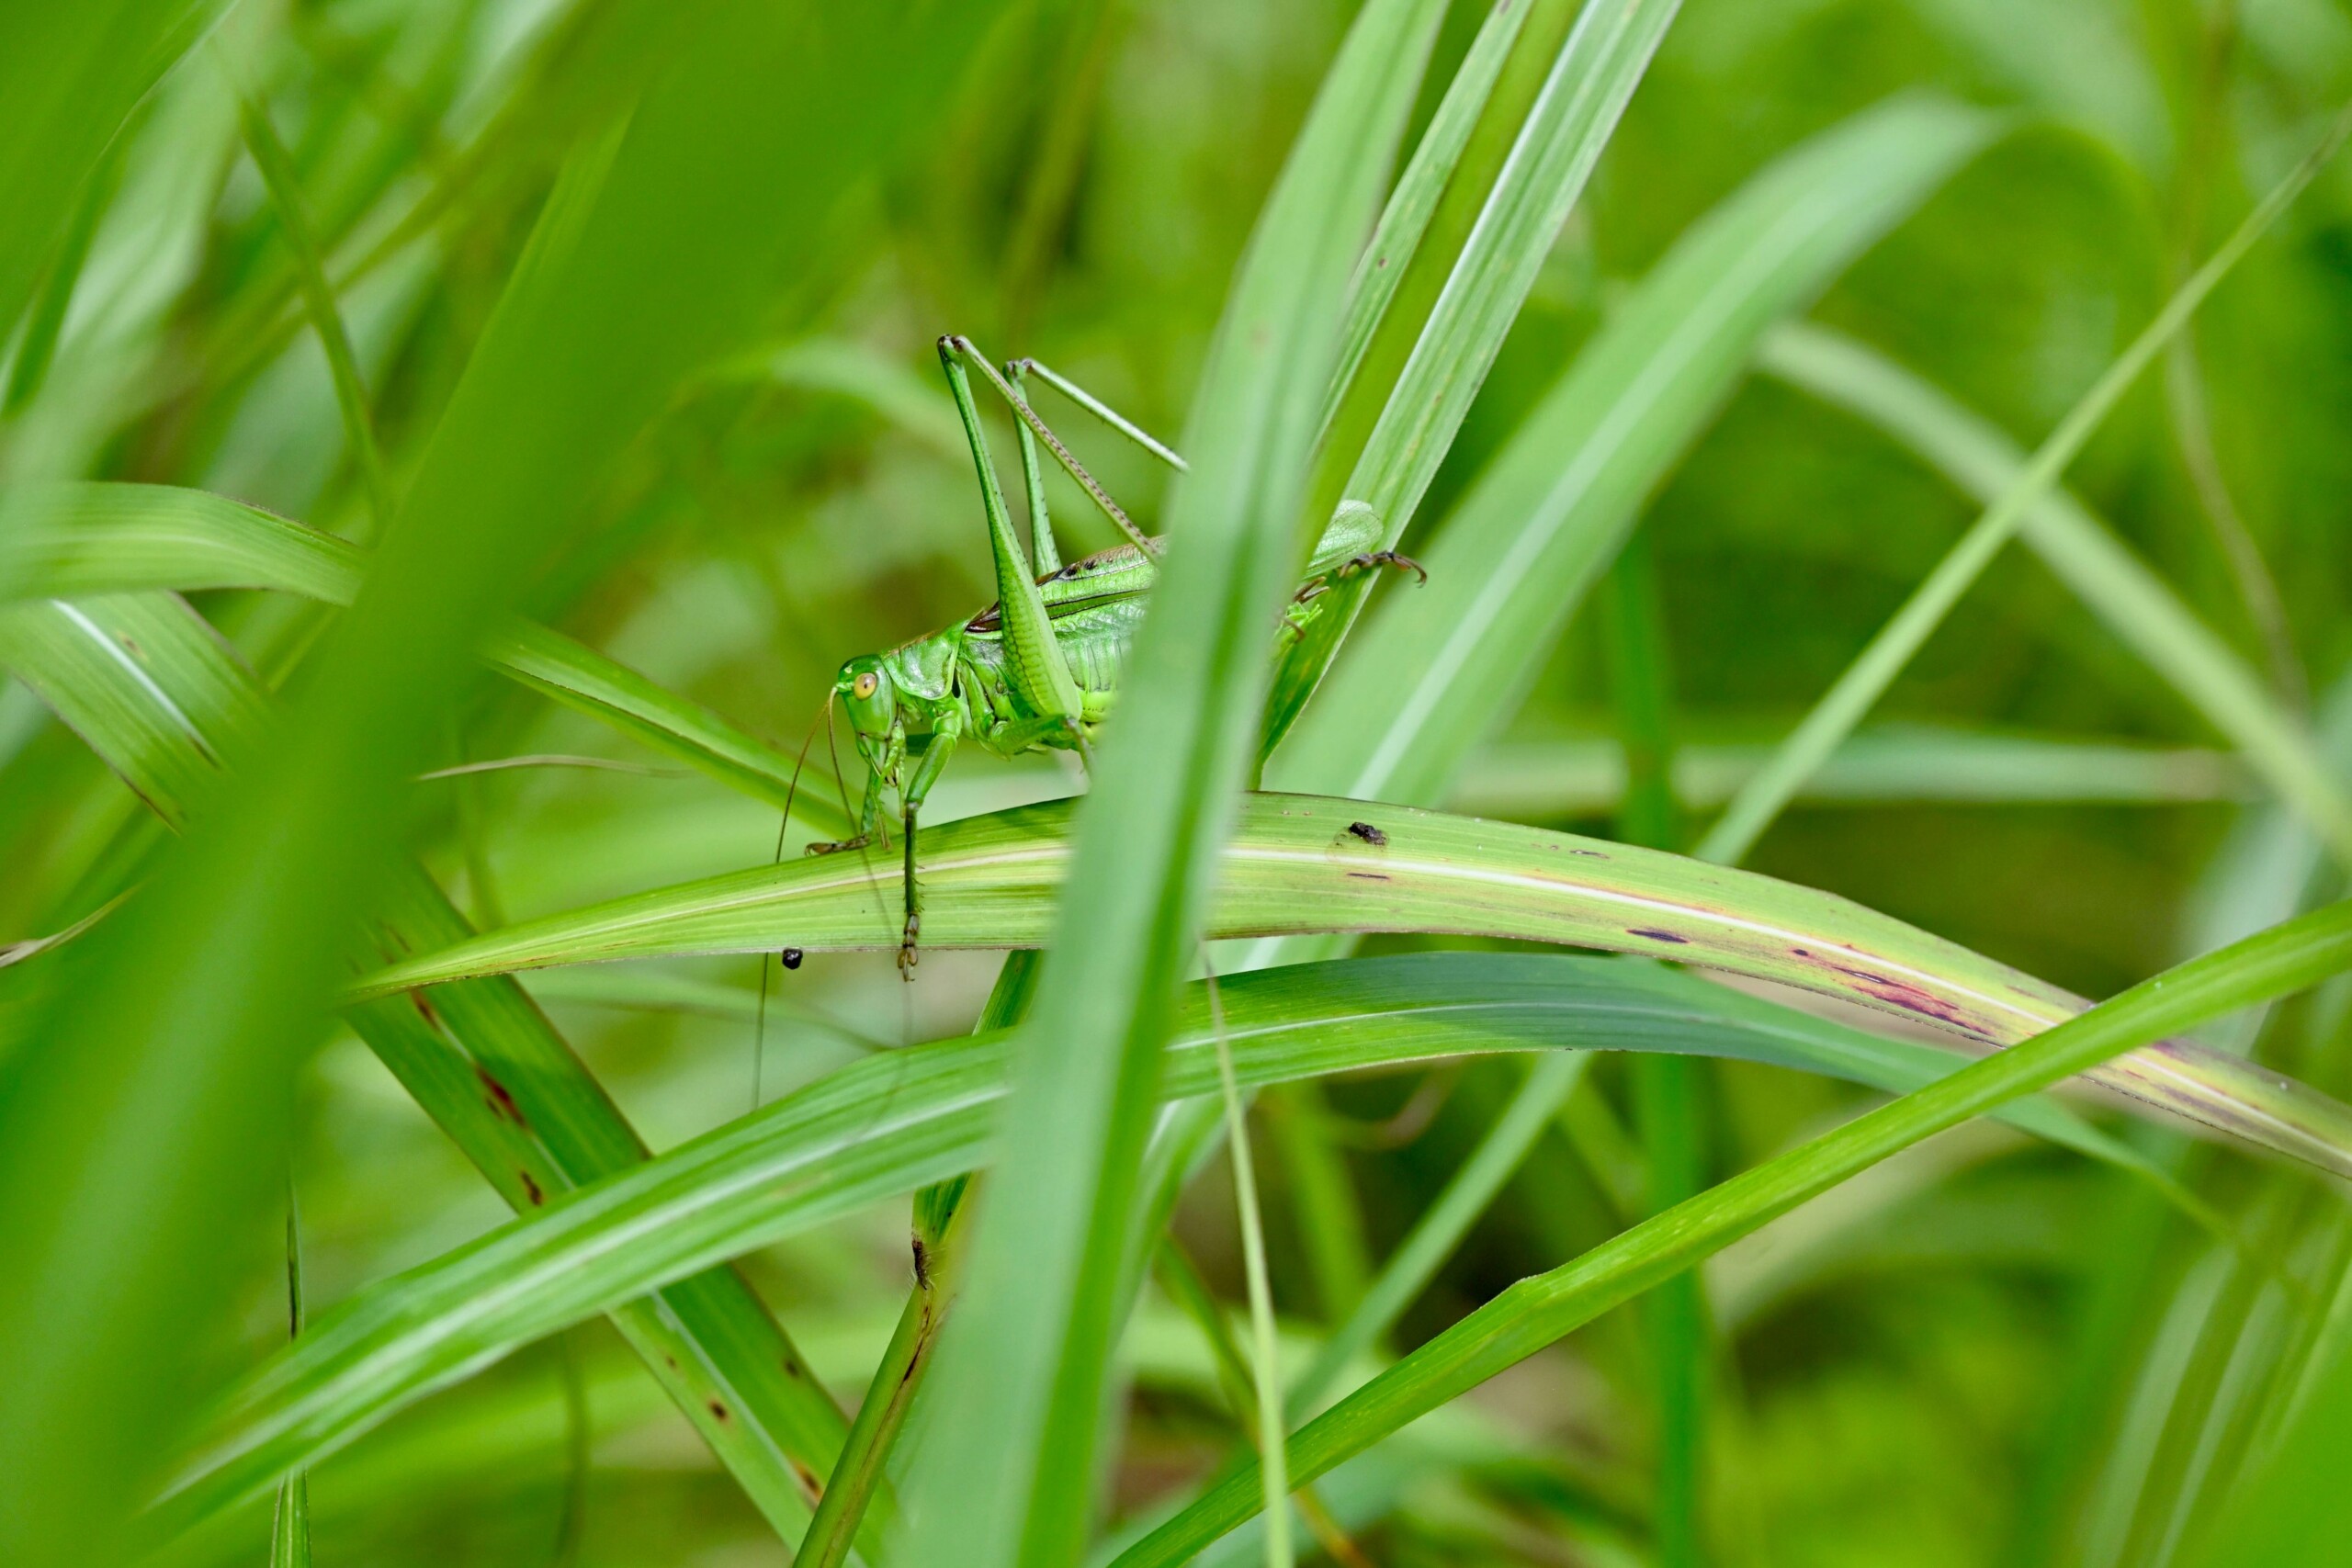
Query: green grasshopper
[1039, 668]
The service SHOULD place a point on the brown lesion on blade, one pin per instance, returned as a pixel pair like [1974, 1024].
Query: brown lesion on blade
[532, 1192]
[1902, 995]
[1651, 933]
[495, 1095]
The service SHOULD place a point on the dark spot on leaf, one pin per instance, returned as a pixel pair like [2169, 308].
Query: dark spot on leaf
[1589, 854]
[1371, 875]
[531, 1188]
[790, 957]
[1368, 833]
[718, 1410]
[424, 1009]
[1655, 935]
[808, 1482]
[495, 1096]
[923, 1265]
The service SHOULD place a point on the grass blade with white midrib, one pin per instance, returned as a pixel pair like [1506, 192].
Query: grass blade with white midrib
[1293, 866]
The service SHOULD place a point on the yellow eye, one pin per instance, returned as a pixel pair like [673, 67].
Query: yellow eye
[864, 685]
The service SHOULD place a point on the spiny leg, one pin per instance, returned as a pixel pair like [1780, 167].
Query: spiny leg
[868, 815]
[1374, 558]
[1100, 410]
[956, 351]
[927, 769]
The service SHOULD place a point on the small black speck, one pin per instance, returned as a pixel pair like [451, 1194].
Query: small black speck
[1658, 935]
[1368, 833]
[791, 957]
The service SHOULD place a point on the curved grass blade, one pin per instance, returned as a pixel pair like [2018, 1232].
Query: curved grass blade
[1006, 1472]
[157, 696]
[2132, 601]
[77, 540]
[1551, 157]
[1293, 867]
[1509, 568]
[1875, 669]
[1538, 1311]
[889, 1123]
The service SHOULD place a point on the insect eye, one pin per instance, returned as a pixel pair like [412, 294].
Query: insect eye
[864, 683]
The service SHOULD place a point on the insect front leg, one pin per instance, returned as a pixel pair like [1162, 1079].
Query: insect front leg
[869, 814]
[928, 767]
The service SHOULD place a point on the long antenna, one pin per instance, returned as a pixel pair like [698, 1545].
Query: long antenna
[784, 826]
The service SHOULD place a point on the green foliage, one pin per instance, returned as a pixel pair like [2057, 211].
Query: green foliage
[353, 352]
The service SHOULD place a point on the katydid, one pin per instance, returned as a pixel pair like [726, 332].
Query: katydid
[1039, 668]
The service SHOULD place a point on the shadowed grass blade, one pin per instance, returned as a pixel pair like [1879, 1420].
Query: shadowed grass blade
[1538, 1311]
[889, 1123]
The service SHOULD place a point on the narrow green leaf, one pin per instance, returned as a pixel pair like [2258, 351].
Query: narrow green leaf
[1538, 1311]
[159, 1107]
[1441, 1227]
[889, 1123]
[1006, 1472]
[158, 696]
[2130, 600]
[1439, 666]
[1875, 669]
[1551, 156]
[69, 75]
[1293, 867]
[77, 540]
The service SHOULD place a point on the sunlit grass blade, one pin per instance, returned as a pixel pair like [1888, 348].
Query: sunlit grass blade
[889, 1123]
[1551, 154]
[84, 539]
[155, 694]
[2129, 598]
[1292, 867]
[1442, 665]
[1441, 1227]
[1875, 668]
[1538, 1311]
[1005, 1474]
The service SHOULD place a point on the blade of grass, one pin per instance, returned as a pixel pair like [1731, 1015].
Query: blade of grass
[1665, 1100]
[69, 77]
[1007, 1473]
[481, 1060]
[285, 187]
[1442, 664]
[1551, 157]
[2132, 601]
[1442, 1225]
[1538, 1311]
[1843, 705]
[892, 1122]
[1292, 867]
[1265, 1363]
[855, 1480]
[290, 1530]
[77, 540]
[160, 1102]
[1327, 1217]
[1886, 764]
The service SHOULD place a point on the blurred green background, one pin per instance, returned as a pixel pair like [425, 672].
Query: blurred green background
[1971, 1356]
